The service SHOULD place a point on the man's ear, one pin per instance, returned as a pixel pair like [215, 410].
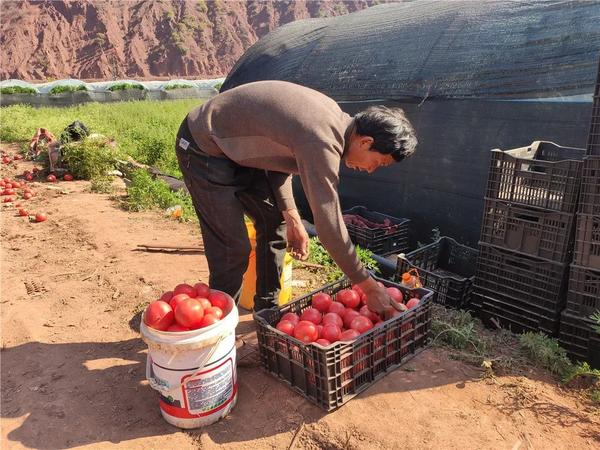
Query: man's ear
[366, 142]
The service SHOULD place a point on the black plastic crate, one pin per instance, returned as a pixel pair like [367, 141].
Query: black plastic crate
[589, 200]
[593, 143]
[331, 376]
[543, 175]
[535, 232]
[502, 311]
[583, 297]
[587, 242]
[536, 283]
[579, 338]
[446, 267]
[381, 241]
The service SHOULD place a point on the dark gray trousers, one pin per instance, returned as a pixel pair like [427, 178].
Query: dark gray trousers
[222, 192]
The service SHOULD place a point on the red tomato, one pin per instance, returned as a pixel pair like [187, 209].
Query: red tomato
[185, 289]
[338, 308]
[348, 297]
[206, 304]
[395, 294]
[412, 303]
[208, 320]
[349, 316]
[319, 329]
[27, 195]
[51, 178]
[322, 342]
[361, 324]
[349, 335]
[219, 299]
[29, 177]
[321, 301]
[177, 328]
[40, 217]
[23, 212]
[167, 296]
[177, 299]
[6, 180]
[286, 327]
[189, 313]
[358, 289]
[291, 317]
[306, 331]
[333, 318]
[366, 312]
[7, 199]
[312, 315]
[158, 315]
[214, 310]
[15, 184]
[10, 191]
[202, 290]
[331, 332]
[68, 177]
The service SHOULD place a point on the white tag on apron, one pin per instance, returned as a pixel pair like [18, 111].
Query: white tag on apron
[183, 144]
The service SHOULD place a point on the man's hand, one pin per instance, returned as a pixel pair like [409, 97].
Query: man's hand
[378, 300]
[297, 237]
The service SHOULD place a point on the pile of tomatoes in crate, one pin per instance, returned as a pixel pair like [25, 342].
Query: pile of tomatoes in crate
[187, 308]
[342, 318]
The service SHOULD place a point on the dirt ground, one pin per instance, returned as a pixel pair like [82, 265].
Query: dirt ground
[73, 366]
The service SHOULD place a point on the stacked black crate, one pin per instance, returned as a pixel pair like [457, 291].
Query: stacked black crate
[527, 235]
[577, 330]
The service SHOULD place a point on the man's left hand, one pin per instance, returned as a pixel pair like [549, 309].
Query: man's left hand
[297, 237]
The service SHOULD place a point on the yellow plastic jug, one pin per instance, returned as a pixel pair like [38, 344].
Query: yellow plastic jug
[249, 280]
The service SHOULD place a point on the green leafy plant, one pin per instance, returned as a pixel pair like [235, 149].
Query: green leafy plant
[596, 318]
[61, 89]
[218, 86]
[170, 87]
[145, 193]
[126, 87]
[545, 352]
[457, 330]
[17, 90]
[318, 255]
[91, 158]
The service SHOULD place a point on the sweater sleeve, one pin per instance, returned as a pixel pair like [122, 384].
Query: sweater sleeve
[281, 184]
[320, 179]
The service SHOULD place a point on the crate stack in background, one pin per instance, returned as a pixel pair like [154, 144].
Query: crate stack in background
[577, 330]
[527, 234]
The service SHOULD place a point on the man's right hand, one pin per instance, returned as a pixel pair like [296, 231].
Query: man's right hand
[378, 300]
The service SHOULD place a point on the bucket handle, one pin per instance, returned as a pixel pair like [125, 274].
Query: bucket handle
[165, 388]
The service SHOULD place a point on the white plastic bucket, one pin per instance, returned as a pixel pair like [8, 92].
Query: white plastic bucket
[194, 371]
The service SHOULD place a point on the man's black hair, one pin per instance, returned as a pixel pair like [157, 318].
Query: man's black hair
[391, 131]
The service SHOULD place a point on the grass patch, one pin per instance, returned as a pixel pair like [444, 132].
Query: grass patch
[146, 193]
[457, 330]
[144, 130]
[125, 87]
[61, 89]
[318, 255]
[17, 90]
[596, 318]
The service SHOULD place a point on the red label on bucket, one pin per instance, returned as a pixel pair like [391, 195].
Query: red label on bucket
[210, 390]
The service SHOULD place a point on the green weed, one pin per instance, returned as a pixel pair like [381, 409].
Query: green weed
[146, 193]
[596, 318]
[125, 87]
[545, 352]
[61, 89]
[17, 90]
[170, 87]
[318, 255]
[457, 329]
[91, 159]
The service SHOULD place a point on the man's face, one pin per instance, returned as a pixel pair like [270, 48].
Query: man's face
[361, 157]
